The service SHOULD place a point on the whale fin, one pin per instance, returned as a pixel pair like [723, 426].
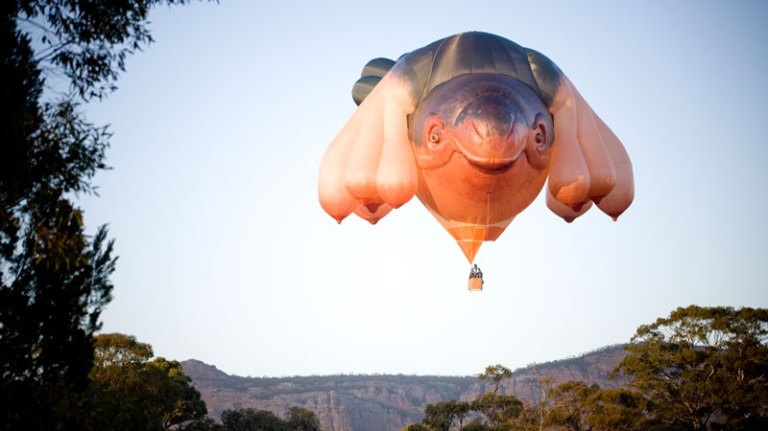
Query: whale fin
[372, 73]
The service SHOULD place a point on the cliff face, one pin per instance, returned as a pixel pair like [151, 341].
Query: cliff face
[341, 403]
[382, 402]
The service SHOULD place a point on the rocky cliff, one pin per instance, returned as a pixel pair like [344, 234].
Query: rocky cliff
[382, 402]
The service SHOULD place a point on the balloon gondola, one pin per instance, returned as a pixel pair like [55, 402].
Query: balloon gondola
[475, 282]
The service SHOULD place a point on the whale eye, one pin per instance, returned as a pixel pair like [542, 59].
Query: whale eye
[435, 135]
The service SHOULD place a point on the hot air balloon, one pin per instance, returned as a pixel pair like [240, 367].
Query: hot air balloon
[474, 125]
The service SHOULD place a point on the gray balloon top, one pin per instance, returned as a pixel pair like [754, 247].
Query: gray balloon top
[462, 54]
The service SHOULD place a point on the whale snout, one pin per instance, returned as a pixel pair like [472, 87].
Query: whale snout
[491, 132]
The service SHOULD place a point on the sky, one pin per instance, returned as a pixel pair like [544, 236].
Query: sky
[226, 256]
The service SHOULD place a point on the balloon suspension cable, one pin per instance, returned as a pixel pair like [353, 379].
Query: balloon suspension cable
[488, 210]
[487, 218]
[487, 223]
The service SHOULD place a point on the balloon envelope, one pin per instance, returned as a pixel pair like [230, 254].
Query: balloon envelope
[473, 125]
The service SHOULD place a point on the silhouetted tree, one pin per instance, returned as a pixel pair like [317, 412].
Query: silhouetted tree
[54, 279]
[446, 415]
[617, 409]
[131, 391]
[204, 424]
[488, 411]
[296, 419]
[566, 405]
[301, 419]
[252, 420]
[495, 374]
[703, 368]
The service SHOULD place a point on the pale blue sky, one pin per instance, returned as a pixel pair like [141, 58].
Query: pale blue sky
[227, 257]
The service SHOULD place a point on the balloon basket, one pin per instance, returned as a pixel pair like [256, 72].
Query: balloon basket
[475, 284]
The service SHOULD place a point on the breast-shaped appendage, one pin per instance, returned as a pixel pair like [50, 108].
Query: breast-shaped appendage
[589, 163]
[373, 217]
[623, 193]
[565, 212]
[332, 192]
[370, 162]
[360, 172]
[396, 177]
[601, 169]
[568, 173]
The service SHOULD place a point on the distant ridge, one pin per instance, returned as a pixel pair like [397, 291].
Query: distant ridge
[202, 370]
[383, 402]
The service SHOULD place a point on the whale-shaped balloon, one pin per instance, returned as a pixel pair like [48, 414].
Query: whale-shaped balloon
[472, 124]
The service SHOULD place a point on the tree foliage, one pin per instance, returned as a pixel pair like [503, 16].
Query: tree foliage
[301, 419]
[54, 279]
[489, 411]
[566, 405]
[701, 368]
[615, 409]
[495, 374]
[446, 415]
[88, 41]
[129, 391]
[296, 419]
[497, 409]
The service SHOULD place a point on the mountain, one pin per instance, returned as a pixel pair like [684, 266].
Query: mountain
[384, 402]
